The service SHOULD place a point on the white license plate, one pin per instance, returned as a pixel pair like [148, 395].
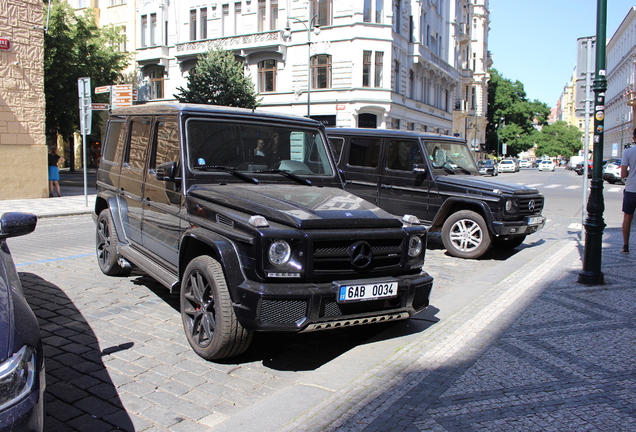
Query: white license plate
[367, 291]
[537, 220]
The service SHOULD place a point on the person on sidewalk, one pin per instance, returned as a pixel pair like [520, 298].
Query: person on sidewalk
[628, 173]
[54, 171]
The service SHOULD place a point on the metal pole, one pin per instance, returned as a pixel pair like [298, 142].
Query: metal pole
[594, 224]
[309, 67]
[586, 147]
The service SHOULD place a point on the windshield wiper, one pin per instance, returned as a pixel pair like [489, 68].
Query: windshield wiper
[230, 170]
[287, 174]
[464, 170]
[445, 168]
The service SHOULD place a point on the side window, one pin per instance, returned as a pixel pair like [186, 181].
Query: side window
[364, 152]
[167, 146]
[402, 154]
[336, 144]
[139, 137]
[113, 149]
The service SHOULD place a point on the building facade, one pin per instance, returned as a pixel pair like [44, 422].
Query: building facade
[398, 64]
[22, 141]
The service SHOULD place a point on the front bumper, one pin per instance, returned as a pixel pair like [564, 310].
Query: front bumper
[290, 307]
[529, 225]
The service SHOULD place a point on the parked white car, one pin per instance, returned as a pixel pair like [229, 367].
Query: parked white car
[546, 165]
[507, 165]
[525, 163]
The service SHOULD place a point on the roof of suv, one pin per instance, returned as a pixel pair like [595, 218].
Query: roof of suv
[391, 133]
[175, 107]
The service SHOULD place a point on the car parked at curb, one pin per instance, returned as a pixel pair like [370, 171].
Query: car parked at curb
[244, 214]
[612, 171]
[487, 167]
[523, 163]
[22, 374]
[435, 178]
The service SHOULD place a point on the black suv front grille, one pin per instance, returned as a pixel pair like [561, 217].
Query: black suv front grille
[335, 256]
[531, 205]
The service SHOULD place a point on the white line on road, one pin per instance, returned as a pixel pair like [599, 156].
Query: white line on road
[573, 187]
[615, 189]
[552, 186]
[535, 184]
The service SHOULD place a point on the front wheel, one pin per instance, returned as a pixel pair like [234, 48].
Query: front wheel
[465, 234]
[507, 243]
[210, 324]
[106, 247]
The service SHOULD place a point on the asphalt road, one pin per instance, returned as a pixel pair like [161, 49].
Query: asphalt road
[116, 354]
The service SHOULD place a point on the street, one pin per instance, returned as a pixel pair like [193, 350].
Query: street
[116, 355]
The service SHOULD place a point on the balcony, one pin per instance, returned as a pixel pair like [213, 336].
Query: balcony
[244, 44]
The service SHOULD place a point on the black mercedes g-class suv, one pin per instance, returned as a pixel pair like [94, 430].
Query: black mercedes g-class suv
[244, 213]
[435, 178]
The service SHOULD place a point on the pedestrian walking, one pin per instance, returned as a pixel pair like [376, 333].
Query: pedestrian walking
[628, 173]
[54, 171]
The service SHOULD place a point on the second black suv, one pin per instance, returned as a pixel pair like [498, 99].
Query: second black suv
[435, 178]
[245, 215]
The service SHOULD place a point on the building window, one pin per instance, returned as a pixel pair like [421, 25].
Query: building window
[273, 15]
[237, 17]
[366, 14]
[396, 76]
[379, 6]
[225, 20]
[116, 2]
[193, 24]
[321, 71]
[153, 29]
[144, 30]
[366, 69]
[262, 15]
[397, 15]
[82, 4]
[267, 76]
[204, 23]
[322, 8]
[411, 84]
[156, 83]
[379, 58]
[122, 44]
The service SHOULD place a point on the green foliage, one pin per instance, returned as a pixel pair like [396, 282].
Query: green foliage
[559, 138]
[512, 115]
[218, 79]
[75, 47]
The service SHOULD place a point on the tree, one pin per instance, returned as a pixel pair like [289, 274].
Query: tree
[75, 47]
[511, 116]
[218, 79]
[557, 139]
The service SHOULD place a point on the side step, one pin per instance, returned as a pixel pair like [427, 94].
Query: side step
[163, 275]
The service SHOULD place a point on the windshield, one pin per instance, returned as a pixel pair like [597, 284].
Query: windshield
[450, 155]
[222, 146]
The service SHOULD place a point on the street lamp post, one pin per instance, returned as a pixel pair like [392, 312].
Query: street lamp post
[309, 28]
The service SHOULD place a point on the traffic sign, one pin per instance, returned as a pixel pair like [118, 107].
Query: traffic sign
[100, 106]
[102, 89]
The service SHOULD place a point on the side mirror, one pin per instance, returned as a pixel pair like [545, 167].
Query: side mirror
[419, 168]
[166, 171]
[13, 224]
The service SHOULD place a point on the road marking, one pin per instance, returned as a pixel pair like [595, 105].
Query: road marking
[535, 184]
[575, 226]
[552, 186]
[54, 259]
[615, 189]
[573, 187]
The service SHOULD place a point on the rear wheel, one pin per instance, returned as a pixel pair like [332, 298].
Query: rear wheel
[210, 324]
[465, 234]
[507, 243]
[106, 247]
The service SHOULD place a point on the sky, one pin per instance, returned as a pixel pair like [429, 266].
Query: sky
[534, 42]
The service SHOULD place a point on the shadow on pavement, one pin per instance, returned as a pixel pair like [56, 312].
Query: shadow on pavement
[80, 395]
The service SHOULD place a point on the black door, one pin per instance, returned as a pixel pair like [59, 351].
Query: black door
[361, 157]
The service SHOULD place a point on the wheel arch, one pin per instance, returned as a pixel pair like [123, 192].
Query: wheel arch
[111, 203]
[453, 205]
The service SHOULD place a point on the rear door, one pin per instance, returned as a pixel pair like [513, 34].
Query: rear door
[360, 161]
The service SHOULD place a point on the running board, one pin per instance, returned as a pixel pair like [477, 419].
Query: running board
[355, 322]
[155, 270]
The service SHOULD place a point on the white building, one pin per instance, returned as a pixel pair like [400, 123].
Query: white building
[620, 99]
[401, 64]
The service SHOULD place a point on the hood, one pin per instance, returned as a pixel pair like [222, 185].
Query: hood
[298, 206]
[468, 184]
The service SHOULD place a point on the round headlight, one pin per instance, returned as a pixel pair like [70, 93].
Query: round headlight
[508, 205]
[279, 252]
[415, 246]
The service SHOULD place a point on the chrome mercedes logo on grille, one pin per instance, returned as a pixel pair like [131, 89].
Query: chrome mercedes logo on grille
[531, 205]
[360, 254]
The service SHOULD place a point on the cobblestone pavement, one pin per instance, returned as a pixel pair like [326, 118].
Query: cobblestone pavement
[511, 342]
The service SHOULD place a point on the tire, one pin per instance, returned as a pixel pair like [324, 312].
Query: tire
[106, 247]
[210, 324]
[508, 243]
[465, 234]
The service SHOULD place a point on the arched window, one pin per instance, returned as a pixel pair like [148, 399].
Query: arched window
[321, 71]
[267, 76]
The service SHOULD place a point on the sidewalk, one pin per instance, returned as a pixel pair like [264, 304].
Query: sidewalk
[72, 202]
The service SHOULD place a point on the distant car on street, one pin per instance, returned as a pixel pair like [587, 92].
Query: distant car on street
[612, 171]
[487, 167]
[525, 163]
[22, 375]
[546, 165]
[507, 165]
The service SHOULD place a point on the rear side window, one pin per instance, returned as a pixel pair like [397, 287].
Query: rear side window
[336, 144]
[115, 141]
[364, 152]
[139, 137]
[167, 143]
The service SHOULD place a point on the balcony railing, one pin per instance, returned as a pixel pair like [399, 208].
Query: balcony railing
[254, 40]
